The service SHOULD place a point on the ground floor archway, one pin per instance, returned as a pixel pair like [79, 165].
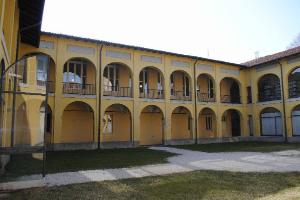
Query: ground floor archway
[77, 123]
[207, 123]
[231, 123]
[117, 124]
[271, 122]
[181, 124]
[296, 121]
[151, 126]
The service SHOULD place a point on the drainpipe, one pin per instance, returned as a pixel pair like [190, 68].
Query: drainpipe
[283, 103]
[195, 103]
[99, 97]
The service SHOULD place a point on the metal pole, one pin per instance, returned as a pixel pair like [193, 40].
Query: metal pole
[46, 117]
[283, 103]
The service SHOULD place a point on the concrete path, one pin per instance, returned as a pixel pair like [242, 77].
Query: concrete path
[185, 161]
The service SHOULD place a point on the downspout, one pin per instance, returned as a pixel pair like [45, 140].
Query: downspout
[100, 92]
[195, 103]
[283, 103]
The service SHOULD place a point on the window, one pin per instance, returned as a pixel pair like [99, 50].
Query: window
[186, 86]
[75, 72]
[208, 122]
[108, 123]
[41, 72]
[111, 73]
[210, 88]
[143, 81]
[249, 95]
[172, 83]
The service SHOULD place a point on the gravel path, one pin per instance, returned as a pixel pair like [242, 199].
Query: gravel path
[185, 161]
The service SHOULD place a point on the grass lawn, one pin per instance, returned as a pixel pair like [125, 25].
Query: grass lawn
[62, 161]
[192, 185]
[242, 146]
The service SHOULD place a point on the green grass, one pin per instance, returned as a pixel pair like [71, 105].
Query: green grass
[242, 146]
[192, 185]
[83, 160]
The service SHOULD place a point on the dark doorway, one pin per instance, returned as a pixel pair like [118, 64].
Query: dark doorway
[235, 93]
[235, 123]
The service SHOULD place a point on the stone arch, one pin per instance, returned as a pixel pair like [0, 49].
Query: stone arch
[151, 125]
[117, 80]
[206, 88]
[180, 85]
[271, 122]
[232, 123]
[77, 123]
[207, 123]
[117, 124]
[181, 123]
[269, 88]
[151, 83]
[230, 90]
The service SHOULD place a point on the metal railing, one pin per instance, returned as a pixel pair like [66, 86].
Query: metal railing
[80, 89]
[117, 91]
[230, 99]
[205, 97]
[181, 95]
[264, 97]
[50, 85]
[152, 94]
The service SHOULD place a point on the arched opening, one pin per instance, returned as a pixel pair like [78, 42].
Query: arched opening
[180, 86]
[269, 88]
[151, 128]
[205, 88]
[79, 77]
[117, 124]
[77, 123]
[207, 123]
[49, 122]
[43, 61]
[271, 122]
[230, 91]
[151, 83]
[181, 124]
[117, 80]
[296, 120]
[231, 123]
[294, 83]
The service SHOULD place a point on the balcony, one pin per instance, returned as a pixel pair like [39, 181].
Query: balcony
[79, 89]
[49, 84]
[181, 95]
[152, 94]
[117, 91]
[230, 99]
[205, 97]
[265, 97]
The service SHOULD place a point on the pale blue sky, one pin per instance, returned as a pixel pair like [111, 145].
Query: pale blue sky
[230, 30]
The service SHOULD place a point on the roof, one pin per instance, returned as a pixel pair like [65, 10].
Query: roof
[31, 14]
[138, 48]
[273, 57]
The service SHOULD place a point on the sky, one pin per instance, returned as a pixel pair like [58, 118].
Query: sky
[228, 30]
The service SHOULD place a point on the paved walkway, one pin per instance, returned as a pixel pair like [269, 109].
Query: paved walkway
[185, 161]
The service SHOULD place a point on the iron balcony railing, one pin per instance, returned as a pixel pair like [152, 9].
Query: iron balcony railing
[264, 97]
[152, 94]
[116, 91]
[230, 99]
[80, 89]
[50, 85]
[181, 95]
[205, 97]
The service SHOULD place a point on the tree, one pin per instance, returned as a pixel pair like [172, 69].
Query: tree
[295, 42]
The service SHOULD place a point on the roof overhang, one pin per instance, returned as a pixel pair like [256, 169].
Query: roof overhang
[31, 14]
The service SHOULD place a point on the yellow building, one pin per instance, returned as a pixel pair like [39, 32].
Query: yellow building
[110, 95]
